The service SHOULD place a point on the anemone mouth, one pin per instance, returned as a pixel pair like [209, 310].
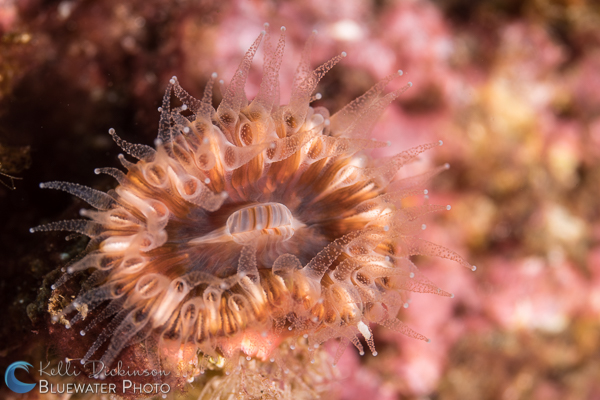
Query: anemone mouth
[252, 220]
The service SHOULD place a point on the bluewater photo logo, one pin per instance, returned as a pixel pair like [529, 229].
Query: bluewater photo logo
[12, 382]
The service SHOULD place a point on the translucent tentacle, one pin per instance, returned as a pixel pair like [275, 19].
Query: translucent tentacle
[81, 226]
[106, 333]
[139, 151]
[93, 197]
[247, 265]
[423, 247]
[411, 278]
[341, 120]
[206, 109]
[114, 172]
[111, 309]
[329, 146]
[305, 82]
[396, 325]
[234, 97]
[193, 104]
[417, 181]
[131, 325]
[362, 126]
[385, 174]
[165, 133]
[268, 95]
[344, 342]
[317, 267]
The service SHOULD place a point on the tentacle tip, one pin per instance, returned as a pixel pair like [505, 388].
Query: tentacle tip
[97, 171]
[473, 268]
[214, 75]
[112, 131]
[423, 227]
[375, 354]
[159, 109]
[318, 96]
[333, 365]
[221, 81]
[446, 166]
[82, 333]
[362, 353]
[31, 230]
[405, 305]
[344, 54]
[428, 341]
[315, 31]
[82, 361]
[425, 191]
[451, 295]
[448, 207]
[158, 142]
[172, 81]
[388, 143]
[400, 72]
[440, 142]
[283, 29]
[42, 186]
[266, 25]
[53, 287]
[263, 32]
[54, 318]
[410, 84]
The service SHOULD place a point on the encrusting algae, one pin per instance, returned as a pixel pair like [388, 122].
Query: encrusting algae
[249, 230]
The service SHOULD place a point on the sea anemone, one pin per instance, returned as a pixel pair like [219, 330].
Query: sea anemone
[249, 225]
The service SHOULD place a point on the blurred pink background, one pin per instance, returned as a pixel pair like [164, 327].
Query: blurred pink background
[513, 90]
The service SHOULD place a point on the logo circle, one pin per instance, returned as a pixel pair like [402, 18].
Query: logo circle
[12, 382]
